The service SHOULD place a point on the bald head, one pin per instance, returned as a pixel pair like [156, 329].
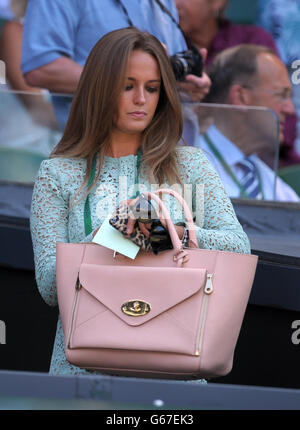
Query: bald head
[271, 68]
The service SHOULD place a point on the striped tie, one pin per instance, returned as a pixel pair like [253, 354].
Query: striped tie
[250, 181]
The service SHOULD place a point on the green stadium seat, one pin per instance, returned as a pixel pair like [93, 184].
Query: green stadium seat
[291, 175]
[242, 11]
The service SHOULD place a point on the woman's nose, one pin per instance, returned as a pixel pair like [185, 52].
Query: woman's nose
[139, 96]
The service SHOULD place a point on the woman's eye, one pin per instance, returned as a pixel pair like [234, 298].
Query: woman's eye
[152, 89]
[128, 87]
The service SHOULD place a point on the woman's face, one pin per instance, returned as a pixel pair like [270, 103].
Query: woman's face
[139, 99]
[194, 14]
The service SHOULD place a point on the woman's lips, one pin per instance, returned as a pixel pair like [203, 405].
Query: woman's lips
[137, 114]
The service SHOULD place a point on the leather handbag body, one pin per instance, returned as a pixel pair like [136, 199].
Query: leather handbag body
[175, 315]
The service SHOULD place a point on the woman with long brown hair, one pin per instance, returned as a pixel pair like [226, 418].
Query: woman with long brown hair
[123, 133]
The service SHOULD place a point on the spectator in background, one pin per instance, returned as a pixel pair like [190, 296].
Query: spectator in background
[204, 23]
[58, 37]
[31, 123]
[11, 45]
[241, 77]
[282, 19]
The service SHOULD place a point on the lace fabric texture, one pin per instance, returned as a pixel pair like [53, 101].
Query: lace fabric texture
[52, 221]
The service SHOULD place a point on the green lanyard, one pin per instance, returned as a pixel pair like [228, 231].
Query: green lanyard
[228, 170]
[87, 208]
[136, 191]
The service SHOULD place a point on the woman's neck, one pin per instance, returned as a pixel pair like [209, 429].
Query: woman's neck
[203, 37]
[122, 145]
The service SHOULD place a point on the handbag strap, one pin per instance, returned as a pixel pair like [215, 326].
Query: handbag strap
[193, 242]
[87, 208]
[177, 244]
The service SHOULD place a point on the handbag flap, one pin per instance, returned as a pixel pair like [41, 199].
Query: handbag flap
[161, 288]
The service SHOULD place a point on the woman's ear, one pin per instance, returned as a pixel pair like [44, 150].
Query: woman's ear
[239, 95]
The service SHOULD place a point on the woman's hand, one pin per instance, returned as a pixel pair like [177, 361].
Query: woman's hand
[180, 231]
[95, 232]
[146, 227]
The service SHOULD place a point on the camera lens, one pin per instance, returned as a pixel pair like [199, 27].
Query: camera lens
[180, 67]
[187, 62]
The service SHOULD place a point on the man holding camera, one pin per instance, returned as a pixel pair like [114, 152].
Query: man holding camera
[58, 37]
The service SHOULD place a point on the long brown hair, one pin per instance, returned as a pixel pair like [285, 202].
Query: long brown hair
[95, 104]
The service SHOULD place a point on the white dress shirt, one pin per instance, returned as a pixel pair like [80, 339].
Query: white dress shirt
[232, 156]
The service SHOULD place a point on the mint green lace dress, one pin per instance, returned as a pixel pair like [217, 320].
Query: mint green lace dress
[52, 221]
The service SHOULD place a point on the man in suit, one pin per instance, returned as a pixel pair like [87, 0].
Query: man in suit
[241, 140]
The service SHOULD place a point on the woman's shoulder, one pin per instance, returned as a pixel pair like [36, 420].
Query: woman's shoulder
[61, 163]
[63, 166]
[195, 166]
[67, 172]
[190, 154]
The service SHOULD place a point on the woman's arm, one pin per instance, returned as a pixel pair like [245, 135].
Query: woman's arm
[49, 221]
[48, 225]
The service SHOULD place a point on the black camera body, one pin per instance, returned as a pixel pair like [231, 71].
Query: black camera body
[187, 62]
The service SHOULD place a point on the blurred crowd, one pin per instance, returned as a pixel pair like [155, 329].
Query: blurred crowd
[44, 46]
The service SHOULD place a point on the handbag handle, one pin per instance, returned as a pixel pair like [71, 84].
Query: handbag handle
[166, 215]
[193, 242]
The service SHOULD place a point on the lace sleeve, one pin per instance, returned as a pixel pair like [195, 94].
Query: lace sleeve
[220, 228]
[48, 224]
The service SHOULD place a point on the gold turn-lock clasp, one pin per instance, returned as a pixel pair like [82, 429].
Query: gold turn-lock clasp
[136, 308]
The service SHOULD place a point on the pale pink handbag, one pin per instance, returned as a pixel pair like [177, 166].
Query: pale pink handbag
[174, 315]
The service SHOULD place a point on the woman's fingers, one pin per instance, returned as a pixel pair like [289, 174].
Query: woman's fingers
[145, 229]
[130, 225]
[95, 232]
[131, 219]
